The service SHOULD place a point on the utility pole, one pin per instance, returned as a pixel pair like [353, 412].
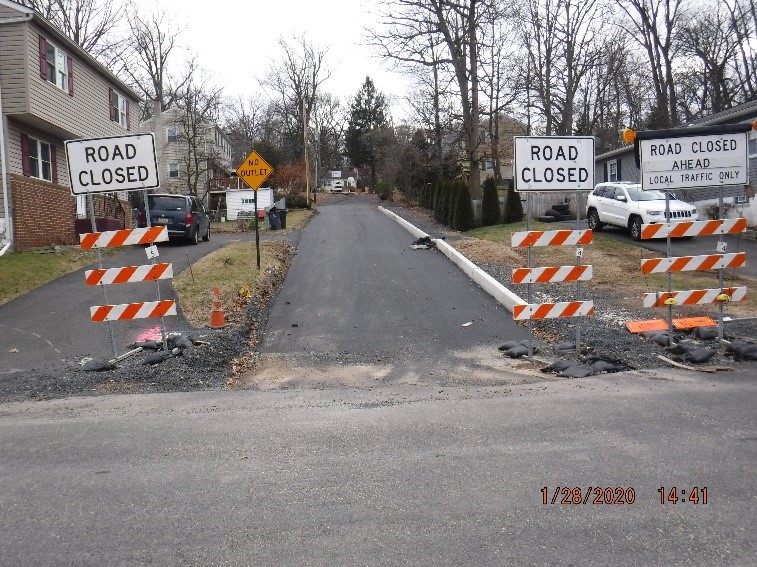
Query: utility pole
[305, 151]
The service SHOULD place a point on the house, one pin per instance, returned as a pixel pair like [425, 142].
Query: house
[194, 156]
[339, 180]
[620, 165]
[51, 91]
[240, 203]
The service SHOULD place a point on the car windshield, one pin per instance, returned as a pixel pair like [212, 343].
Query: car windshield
[636, 194]
[167, 203]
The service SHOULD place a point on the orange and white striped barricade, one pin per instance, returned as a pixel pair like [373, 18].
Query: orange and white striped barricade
[553, 310]
[530, 238]
[694, 297]
[129, 274]
[129, 311]
[553, 274]
[693, 228]
[126, 237]
[693, 263]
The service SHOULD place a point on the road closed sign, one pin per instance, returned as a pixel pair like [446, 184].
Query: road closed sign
[102, 165]
[554, 163]
[694, 161]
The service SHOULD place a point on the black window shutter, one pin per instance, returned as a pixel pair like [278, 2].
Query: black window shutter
[54, 162]
[70, 76]
[128, 121]
[43, 57]
[620, 173]
[605, 165]
[25, 165]
[112, 107]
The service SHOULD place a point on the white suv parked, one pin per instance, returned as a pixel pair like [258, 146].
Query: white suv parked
[625, 205]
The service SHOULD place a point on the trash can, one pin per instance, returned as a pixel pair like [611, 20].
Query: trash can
[274, 220]
[283, 217]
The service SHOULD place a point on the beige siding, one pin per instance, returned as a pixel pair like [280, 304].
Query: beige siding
[13, 67]
[6, 12]
[13, 135]
[86, 113]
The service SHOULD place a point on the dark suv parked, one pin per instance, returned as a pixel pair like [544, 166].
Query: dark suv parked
[184, 216]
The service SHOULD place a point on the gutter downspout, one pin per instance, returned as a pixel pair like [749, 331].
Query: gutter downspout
[4, 154]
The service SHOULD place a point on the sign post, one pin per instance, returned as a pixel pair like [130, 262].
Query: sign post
[255, 170]
[551, 164]
[106, 165]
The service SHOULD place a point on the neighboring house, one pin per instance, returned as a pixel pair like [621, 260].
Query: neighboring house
[189, 163]
[620, 165]
[51, 91]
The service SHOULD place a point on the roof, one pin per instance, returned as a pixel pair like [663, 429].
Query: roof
[63, 38]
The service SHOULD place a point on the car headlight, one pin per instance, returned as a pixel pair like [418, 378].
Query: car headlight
[654, 213]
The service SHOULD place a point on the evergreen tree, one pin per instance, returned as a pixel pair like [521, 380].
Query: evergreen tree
[368, 117]
[451, 203]
[490, 203]
[513, 206]
[463, 218]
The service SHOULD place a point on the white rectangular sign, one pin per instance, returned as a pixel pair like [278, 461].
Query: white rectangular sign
[102, 165]
[694, 161]
[554, 163]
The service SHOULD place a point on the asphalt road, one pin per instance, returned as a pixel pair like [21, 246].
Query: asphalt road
[400, 475]
[358, 294]
[51, 325]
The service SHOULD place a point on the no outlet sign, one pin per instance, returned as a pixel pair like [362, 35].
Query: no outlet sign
[554, 163]
[103, 165]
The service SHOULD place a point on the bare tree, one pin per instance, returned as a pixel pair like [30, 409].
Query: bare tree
[709, 41]
[294, 82]
[654, 24]
[149, 60]
[410, 28]
[90, 24]
[244, 124]
[200, 103]
[743, 15]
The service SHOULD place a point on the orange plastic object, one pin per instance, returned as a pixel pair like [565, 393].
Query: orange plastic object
[650, 325]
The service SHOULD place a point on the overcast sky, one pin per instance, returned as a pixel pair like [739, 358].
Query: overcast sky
[236, 39]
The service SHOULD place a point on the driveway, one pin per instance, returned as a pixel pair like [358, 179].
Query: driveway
[51, 325]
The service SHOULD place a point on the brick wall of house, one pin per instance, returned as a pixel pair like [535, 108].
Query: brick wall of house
[44, 214]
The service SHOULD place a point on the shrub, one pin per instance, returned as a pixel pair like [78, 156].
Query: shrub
[294, 200]
[382, 190]
[451, 202]
[490, 203]
[513, 206]
[463, 217]
[438, 191]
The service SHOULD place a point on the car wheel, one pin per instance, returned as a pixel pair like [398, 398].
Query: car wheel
[207, 234]
[193, 237]
[635, 227]
[594, 223]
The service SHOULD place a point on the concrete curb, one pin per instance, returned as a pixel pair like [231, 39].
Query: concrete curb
[491, 286]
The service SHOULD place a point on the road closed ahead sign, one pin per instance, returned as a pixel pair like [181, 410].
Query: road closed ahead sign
[102, 165]
[694, 161]
[554, 163]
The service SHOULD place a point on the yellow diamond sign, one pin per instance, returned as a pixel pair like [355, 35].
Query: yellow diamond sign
[254, 170]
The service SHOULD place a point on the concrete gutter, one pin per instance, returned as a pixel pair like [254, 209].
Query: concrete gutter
[491, 286]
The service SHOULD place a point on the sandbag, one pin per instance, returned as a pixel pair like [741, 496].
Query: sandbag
[577, 371]
[97, 365]
[705, 333]
[699, 355]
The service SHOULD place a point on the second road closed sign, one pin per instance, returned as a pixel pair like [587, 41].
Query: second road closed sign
[554, 163]
[694, 161]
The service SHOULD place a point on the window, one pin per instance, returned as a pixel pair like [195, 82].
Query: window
[171, 134]
[740, 199]
[613, 172]
[38, 159]
[119, 108]
[55, 66]
[173, 170]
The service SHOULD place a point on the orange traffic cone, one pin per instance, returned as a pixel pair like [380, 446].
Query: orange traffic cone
[216, 315]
